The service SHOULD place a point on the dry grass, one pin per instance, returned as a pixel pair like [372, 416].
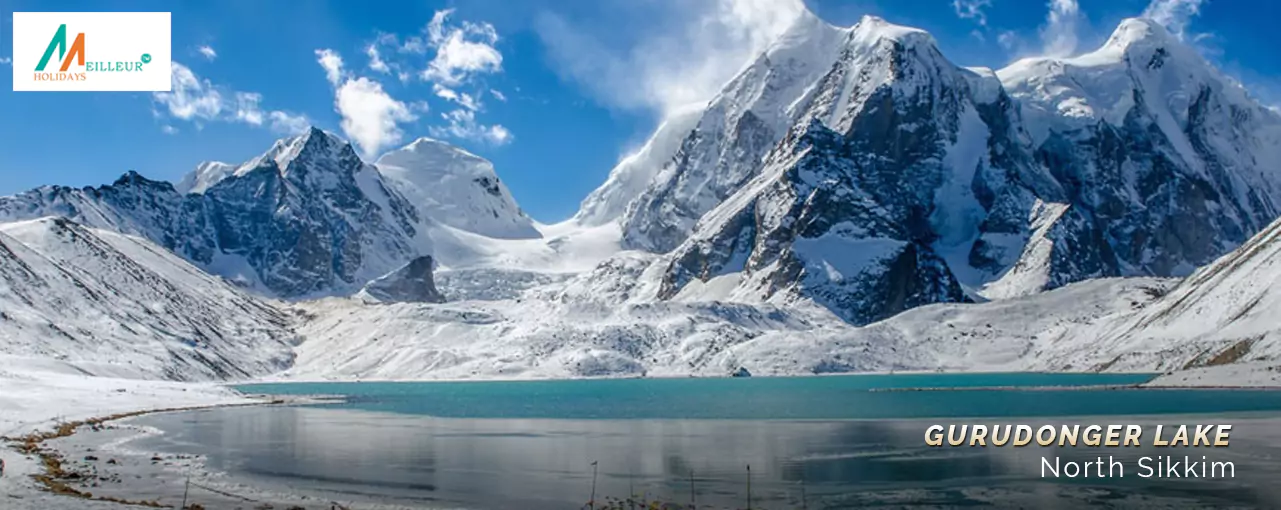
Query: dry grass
[1234, 353]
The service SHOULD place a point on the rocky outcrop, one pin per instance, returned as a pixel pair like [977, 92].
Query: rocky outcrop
[412, 283]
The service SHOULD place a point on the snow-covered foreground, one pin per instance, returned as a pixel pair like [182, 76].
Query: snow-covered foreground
[36, 396]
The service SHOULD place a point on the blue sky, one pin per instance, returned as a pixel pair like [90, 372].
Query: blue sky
[553, 92]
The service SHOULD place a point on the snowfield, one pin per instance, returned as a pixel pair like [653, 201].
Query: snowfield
[529, 337]
[36, 396]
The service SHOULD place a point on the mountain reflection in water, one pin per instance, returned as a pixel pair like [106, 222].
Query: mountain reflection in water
[546, 464]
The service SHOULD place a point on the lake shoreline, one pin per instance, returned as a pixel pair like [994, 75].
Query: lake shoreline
[29, 495]
[1245, 377]
[86, 462]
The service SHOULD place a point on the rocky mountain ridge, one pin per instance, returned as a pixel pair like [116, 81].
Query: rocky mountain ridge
[860, 168]
[305, 218]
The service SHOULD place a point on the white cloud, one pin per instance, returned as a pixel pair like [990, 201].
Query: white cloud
[972, 9]
[461, 123]
[287, 123]
[190, 96]
[461, 98]
[370, 116]
[1009, 40]
[196, 99]
[458, 55]
[376, 62]
[6, 60]
[498, 95]
[332, 63]
[713, 40]
[208, 52]
[247, 108]
[1059, 35]
[168, 130]
[1173, 14]
[461, 50]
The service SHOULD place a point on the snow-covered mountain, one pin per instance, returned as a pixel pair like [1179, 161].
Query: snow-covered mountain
[851, 201]
[456, 188]
[97, 302]
[723, 150]
[1215, 327]
[305, 218]
[1224, 313]
[1171, 161]
[634, 173]
[860, 169]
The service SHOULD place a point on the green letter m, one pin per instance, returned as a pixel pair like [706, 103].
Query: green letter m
[59, 43]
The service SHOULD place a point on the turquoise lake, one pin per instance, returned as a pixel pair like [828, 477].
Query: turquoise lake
[831, 442]
[894, 396]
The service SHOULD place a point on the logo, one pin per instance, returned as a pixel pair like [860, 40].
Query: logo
[88, 51]
[59, 43]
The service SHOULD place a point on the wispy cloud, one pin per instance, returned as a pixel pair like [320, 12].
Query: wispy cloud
[463, 99]
[208, 52]
[688, 52]
[195, 99]
[376, 62]
[332, 63]
[1174, 14]
[972, 9]
[1009, 40]
[6, 60]
[1059, 34]
[461, 123]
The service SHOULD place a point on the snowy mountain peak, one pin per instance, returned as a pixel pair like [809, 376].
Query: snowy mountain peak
[1139, 31]
[132, 178]
[428, 143]
[873, 29]
[316, 144]
[429, 154]
[806, 31]
[205, 175]
[456, 188]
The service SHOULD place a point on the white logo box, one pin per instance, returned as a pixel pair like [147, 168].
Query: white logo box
[123, 51]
